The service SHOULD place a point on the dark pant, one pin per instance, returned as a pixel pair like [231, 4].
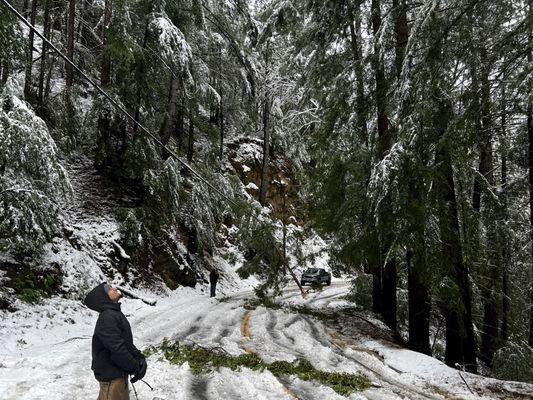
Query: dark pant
[213, 288]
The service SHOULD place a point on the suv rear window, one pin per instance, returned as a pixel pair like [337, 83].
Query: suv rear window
[312, 271]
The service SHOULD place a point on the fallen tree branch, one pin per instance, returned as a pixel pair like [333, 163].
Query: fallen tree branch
[464, 380]
[128, 293]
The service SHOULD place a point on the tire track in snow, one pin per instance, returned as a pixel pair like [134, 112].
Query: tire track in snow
[277, 338]
[245, 332]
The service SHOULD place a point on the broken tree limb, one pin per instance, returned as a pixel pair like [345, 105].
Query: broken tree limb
[128, 293]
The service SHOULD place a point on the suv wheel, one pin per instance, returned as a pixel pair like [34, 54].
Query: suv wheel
[328, 282]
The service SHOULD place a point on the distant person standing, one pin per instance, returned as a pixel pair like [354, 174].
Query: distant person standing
[213, 278]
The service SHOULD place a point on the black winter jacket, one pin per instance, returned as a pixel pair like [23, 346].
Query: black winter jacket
[114, 354]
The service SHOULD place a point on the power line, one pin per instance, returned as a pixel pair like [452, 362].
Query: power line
[116, 104]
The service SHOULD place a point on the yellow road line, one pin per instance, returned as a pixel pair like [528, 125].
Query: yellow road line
[245, 332]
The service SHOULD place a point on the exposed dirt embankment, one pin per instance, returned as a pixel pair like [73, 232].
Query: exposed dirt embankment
[245, 155]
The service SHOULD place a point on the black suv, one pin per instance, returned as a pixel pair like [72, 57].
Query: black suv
[316, 275]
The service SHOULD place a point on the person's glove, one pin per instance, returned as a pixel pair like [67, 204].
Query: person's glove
[141, 371]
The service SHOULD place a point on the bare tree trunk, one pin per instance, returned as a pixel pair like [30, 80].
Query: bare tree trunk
[29, 58]
[69, 79]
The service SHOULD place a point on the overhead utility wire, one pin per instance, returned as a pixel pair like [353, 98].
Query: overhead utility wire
[116, 104]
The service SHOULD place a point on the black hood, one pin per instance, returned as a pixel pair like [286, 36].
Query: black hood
[98, 300]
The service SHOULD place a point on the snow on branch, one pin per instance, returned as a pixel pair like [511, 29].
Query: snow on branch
[175, 49]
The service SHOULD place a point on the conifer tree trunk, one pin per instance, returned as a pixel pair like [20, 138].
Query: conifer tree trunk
[504, 330]
[377, 288]
[387, 264]
[139, 76]
[530, 161]
[169, 124]
[389, 293]
[220, 111]
[355, 40]
[44, 56]
[69, 78]
[418, 276]
[457, 308]
[190, 148]
[48, 79]
[460, 339]
[530, 167]
[103, 141]
[180, 125]
[266, 152]
[401, 33]
[263, 189]
[418, 298]
[489, 335]
[29, 58]
[222, 131]
[105, 67]
[4, 73]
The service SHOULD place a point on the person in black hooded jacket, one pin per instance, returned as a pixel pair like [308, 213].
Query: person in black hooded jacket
[114, 356]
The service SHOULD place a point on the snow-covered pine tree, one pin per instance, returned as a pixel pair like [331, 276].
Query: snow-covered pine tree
[32, 181]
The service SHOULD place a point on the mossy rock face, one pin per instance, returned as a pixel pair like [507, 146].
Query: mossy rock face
[203, 360]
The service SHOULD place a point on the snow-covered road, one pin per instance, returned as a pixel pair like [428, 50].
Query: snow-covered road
[45, 351]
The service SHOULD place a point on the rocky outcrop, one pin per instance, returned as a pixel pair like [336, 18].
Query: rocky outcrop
[245, 155]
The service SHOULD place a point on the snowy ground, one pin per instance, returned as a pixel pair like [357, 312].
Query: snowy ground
[45, 352]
